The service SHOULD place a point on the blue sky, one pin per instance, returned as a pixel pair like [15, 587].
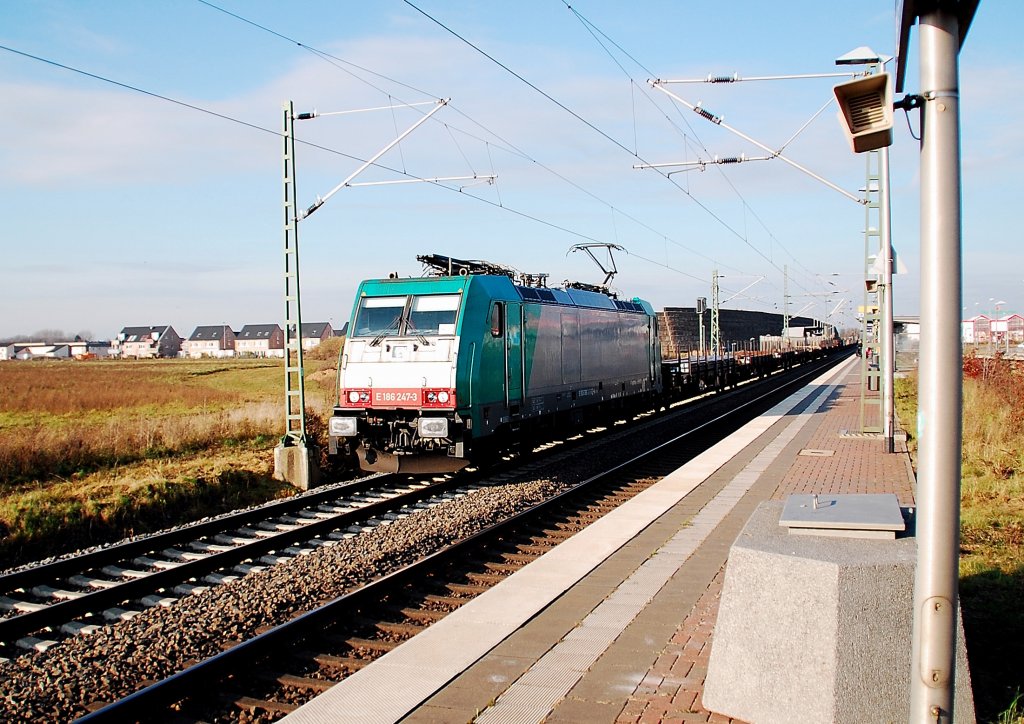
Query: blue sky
[122, 209]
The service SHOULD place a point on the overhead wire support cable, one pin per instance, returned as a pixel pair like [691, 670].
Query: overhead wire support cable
[318, 114]
[595, 31]
[701, 163]
[440, 103]
[777, 154]
[520, 77]
[808, 123]
[437, 180]
[737, 78]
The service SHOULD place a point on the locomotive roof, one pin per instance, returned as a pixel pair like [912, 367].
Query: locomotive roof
[502, 287]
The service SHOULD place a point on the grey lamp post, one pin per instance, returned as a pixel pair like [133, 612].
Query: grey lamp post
[941, 33]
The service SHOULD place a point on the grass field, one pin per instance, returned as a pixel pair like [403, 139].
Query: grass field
[991, 530]
[93, 451]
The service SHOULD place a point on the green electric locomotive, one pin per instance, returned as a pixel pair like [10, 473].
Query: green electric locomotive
[441, 370]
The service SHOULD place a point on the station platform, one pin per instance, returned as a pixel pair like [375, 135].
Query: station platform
[616, 623]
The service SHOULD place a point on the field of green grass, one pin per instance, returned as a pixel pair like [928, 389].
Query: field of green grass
[93, 451]
[991, 530]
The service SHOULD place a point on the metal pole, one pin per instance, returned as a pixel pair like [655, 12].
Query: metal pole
[939, 392]
[716, 327]
[294, 375]
[785, 305]
[888, 369]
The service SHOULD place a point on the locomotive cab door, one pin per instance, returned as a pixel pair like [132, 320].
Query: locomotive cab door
[514, 358]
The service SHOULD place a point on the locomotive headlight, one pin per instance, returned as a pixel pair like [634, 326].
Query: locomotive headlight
[353, 396]
[433, 427]
[432, 396]
[443, 397]
[342, 426]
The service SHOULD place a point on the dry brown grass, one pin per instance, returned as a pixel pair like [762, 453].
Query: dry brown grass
[34, 452]
[62, 388]
[991, 529]
[93, 451]
[66, 418]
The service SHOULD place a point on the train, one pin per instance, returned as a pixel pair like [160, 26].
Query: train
[474, 358]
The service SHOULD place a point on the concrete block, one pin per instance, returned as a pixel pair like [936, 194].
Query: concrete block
[817, 629]
[296, 464]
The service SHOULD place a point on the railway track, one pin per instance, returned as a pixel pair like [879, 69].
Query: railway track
[78, 594]
[43, 605]
[265, 676]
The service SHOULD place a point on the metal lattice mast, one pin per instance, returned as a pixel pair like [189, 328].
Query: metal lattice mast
[294, 384]
[785, 305]
[716, 329]
[871, 372]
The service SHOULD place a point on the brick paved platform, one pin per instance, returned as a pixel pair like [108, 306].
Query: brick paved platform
[855, 465]
[628, 638]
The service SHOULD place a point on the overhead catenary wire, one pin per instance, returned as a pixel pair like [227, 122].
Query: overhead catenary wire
[616, 210]
[336, 61]
[595, 31]
[561, 105]
[327, 149]
[510, 147]
[717, 120]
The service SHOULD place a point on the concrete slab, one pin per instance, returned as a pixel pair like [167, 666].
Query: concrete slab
[855, 513]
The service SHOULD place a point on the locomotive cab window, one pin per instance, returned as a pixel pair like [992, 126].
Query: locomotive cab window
[433, 314]
[379, 315]
[424, 314]
[497, 319]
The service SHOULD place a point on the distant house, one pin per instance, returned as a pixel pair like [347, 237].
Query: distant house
[1012, 328]
[42, 350]
[260, 340]
[976, 330]
[143, 342]
[98, 348]
[53, 350]
[313, 333]
[213, 341]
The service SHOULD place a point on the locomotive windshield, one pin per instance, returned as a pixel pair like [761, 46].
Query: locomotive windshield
[420, 314]
[433, 314]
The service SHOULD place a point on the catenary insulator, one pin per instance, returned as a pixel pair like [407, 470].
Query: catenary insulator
[708, 114]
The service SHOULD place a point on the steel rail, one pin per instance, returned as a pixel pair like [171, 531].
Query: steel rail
[58, 569]
[62, 612]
